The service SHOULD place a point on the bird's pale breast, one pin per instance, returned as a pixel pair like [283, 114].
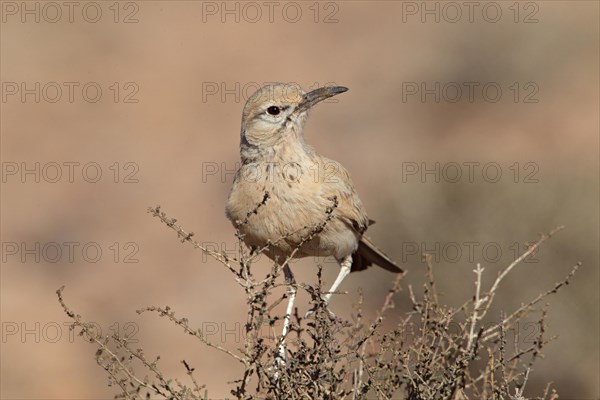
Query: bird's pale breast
[301, 192]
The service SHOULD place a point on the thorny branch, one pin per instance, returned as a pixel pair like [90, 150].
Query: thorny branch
[434, 351]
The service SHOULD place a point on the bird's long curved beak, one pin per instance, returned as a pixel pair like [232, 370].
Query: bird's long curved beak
[317, 95]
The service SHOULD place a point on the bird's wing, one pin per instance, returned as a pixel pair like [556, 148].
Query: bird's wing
[336, 183]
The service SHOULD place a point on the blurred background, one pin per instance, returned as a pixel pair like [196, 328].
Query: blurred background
[468, 130]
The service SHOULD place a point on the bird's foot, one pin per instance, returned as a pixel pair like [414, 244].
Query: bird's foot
[310, 313]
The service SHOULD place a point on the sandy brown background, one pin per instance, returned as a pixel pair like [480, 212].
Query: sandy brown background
[171, 54]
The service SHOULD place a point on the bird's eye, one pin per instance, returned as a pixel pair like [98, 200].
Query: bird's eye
[273, 110]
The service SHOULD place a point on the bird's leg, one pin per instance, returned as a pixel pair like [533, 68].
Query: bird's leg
[291, 282]
[345, 268]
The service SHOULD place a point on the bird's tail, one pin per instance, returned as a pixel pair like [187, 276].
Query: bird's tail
[368, 254]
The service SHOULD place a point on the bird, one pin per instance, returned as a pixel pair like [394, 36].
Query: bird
[289, 200]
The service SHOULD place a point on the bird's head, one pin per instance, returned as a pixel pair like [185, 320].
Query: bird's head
[277, 110]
